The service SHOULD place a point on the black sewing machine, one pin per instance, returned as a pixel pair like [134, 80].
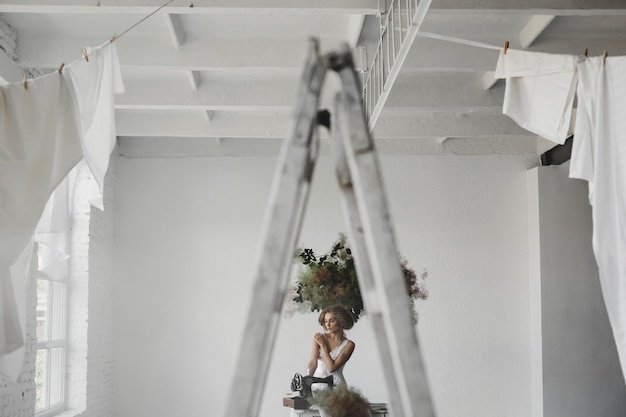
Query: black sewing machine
[302, 384]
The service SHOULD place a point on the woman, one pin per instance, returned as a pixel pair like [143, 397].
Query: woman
[331, 349]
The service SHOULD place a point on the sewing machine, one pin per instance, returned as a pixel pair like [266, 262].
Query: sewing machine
[302, 384]
[301, 392]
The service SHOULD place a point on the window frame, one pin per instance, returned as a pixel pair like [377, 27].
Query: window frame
[53, 318]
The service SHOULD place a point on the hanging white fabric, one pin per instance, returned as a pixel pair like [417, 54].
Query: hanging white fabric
[599, 157]
[53, 230]
[45, 130]
[539, 96]
[94, 84]
[540, 91]
[39, 145]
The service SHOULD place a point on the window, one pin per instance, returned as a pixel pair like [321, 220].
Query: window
[51, 343]
[62, 238]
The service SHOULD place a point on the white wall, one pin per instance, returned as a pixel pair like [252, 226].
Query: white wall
[187, 235]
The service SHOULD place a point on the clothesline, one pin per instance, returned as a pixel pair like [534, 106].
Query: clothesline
[482, 44]
[85, 54]
[139, 22]
[458, 40]
[85, 51]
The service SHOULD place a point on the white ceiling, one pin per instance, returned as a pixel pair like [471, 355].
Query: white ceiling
[220, 76]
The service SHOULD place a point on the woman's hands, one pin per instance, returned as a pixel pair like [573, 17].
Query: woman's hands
[321, 341]
[321, 349]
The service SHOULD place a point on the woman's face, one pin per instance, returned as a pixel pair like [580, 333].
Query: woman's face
[331, 324]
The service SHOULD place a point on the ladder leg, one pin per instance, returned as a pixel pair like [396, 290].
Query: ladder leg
[381, 249]
[363, 267]
[282, 223]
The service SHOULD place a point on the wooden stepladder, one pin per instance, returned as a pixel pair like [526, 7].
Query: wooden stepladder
[370, 231]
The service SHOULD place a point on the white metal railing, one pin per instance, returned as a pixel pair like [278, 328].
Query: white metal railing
[399, 26]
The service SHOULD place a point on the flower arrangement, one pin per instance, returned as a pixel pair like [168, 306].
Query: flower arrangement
[331, 279]
[342, 401]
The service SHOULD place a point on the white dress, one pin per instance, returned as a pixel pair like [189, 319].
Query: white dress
[322, 372]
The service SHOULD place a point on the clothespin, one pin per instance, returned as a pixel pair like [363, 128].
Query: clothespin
[506, 46]
[61, 67]
[25, 81]
[113, 38]
[606, 53]
[586, 53]
[85, 54]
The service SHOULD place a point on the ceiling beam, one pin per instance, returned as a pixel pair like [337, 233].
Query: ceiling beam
[197, 55]
[194, 80]
[439, 55]
[535, 26]
[195, 124]
[488, 80]
[367, 7]
[244, 95]
[445, 124]
[417, 91]
[177, 31]
[423, 91]
[536, 7]
[168, 147]
[276, 125]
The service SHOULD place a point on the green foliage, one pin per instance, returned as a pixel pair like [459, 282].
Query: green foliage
[332, 279]
[342, 401]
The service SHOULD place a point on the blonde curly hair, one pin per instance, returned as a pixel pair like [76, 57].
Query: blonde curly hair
[341, 314]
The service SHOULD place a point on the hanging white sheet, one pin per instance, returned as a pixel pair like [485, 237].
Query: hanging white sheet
[39, 145]
[539, 91]
[599, 157]
[94, 84]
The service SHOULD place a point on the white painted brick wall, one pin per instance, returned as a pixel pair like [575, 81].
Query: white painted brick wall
[77, 300]
[17, 398]
[101, 269]
[8, 39]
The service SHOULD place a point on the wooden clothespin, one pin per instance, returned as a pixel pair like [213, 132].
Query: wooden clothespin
[606, 53]
[61, 67]
[586, 53]
[506, 46]
[25, 81]
[85, 54]
[113, 38]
